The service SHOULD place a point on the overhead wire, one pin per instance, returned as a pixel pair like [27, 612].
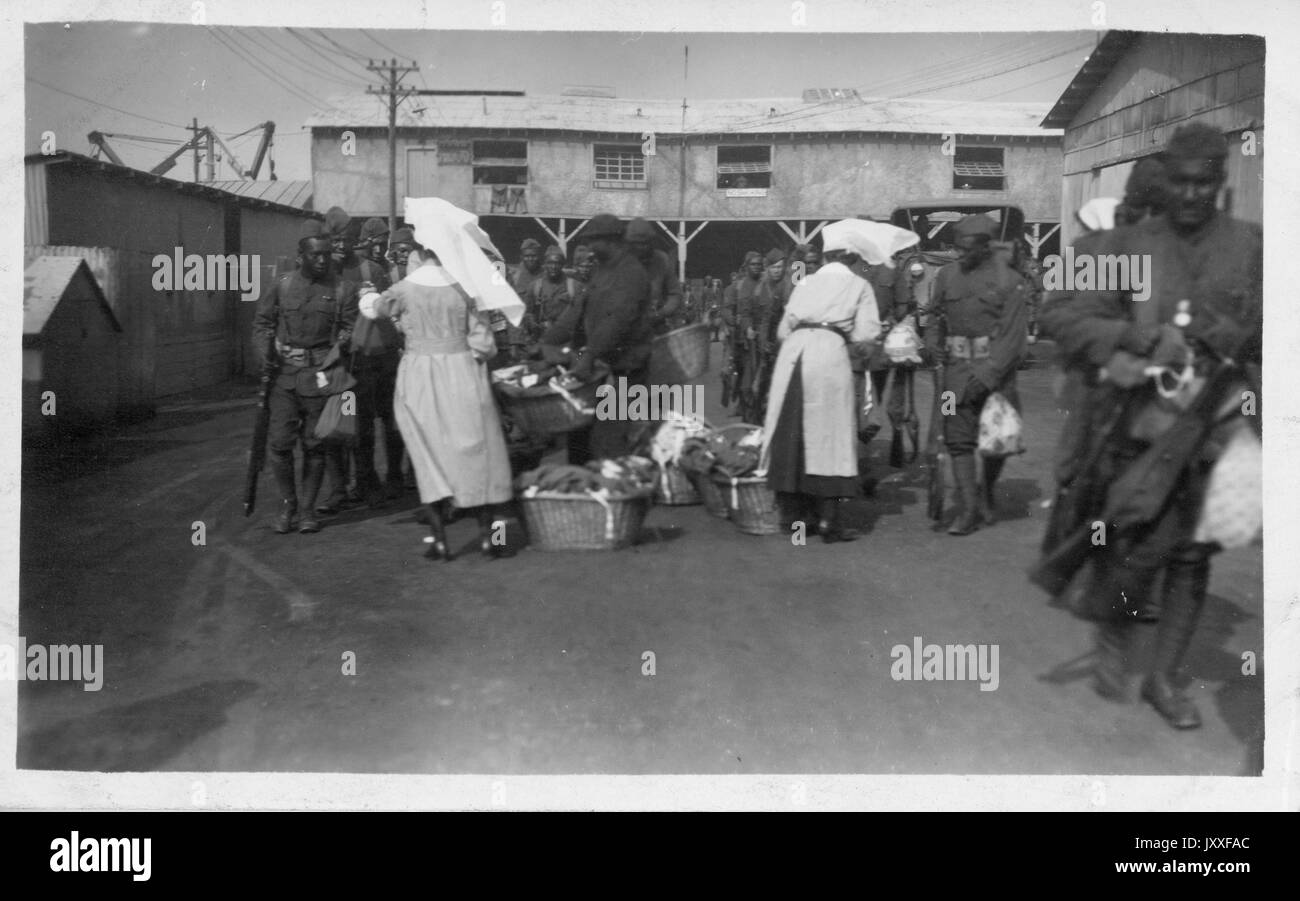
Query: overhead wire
[303, 63]
[100, 103]
[262, 68]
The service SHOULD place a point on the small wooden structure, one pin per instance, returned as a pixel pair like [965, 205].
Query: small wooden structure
[70, 349]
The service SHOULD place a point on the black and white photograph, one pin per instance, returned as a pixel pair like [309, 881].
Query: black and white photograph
[510, 393]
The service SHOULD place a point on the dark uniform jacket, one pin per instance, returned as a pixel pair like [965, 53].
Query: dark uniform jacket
[665, 288]
[614, 318]
[986, 303]
[1133, 479]
[309, 315]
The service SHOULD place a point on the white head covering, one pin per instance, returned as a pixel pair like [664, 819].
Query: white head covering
[454, 235]
[1099, 213]
[875, 242]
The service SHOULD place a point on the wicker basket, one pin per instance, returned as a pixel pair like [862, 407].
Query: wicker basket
[680, 356]
[751, 503]
[675, 488]
[544, 411]
[711, 494]
[579, 522]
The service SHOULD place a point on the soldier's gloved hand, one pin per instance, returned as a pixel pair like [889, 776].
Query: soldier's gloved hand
[1126, 369]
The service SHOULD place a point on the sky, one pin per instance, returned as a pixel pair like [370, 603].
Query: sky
[150, 80]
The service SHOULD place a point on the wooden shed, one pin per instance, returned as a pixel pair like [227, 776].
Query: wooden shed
[70, 349]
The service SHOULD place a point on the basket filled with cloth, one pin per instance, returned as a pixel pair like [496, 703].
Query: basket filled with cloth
[751, 504]
[596, 507]
[544, 399]
[680, 447]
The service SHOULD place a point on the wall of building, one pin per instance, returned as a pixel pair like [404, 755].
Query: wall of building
[77, 359]
[1163, 81]
[811, 178]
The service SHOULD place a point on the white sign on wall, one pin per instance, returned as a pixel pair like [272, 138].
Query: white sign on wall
[746, 192]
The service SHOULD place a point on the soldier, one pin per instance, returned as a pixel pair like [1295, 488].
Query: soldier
[761, 318]
[665, 288]
[735, 309]
[547, 299]
[982, 313]
[614, 324]
[1148, 447]
[399, 250]
[303, 316]
[377, 351]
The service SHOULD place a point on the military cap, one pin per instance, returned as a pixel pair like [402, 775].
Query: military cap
[312, 228]
[553, 253]
[373, 229]
[979, 224]
[336, 220]
[753, 255]
[639, 230]
[603, 225]
[773, 256]
[530, 244]
[403, 235]
[1196, 141]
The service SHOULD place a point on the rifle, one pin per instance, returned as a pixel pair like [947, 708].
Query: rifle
[936, 457]
[261, 425]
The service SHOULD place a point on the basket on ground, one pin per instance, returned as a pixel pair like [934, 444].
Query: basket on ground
[545, 410]
[581, 522]
[711, 495]
[750, 503]
[680, 356]
[675, 488]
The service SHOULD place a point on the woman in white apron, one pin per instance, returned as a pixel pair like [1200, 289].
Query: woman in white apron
[810, 431]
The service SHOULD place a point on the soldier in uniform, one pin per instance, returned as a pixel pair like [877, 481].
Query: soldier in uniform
[1146, 449]
[735, 308]
[761, 318]
[547, 298]
[377, 351]
[399, 251]
[665, 288]
[612, 325]
[300, 319]
[980, 306]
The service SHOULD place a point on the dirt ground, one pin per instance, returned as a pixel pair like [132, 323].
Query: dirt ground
[768, 657]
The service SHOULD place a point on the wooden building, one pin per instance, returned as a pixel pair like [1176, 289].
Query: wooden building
[118, 220]
[1136, 88]
[719, 177]
[70, 349]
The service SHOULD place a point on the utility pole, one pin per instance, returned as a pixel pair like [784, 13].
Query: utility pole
[210, 150]
[195, 128]
[395, 74]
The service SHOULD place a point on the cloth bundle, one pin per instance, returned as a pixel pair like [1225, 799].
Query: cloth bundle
[671, 437]
[617, 478]
[736, 453]
[1001, 430]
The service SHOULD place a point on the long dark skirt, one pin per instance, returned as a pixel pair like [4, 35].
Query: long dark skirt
[785, 471]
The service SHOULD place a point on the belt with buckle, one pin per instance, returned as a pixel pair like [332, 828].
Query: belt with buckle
[963, 348]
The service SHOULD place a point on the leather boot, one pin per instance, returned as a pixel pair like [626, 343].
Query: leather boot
[831, 525]
[1110, 670]
[336, 468]
[438, 547]
[1184, 597]
[282, 469]
[313, 473]
[963, 470]
[487, 547]
[992, 469]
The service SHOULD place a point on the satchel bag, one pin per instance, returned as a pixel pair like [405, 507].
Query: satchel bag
[338, 419]
[1000, 428]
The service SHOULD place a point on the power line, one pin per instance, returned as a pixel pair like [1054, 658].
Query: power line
[319, 51]
[100, 103]
[345, 50]
[306, 64]
[380, 43]
[261, 67]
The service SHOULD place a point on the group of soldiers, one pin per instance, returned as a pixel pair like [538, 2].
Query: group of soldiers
[619, 292]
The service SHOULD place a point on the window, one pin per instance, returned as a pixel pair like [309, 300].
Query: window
[745, 166]
[619, 166]
[500, 162]
[978, 169]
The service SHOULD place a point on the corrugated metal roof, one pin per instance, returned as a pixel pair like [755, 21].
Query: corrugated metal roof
[286, 193]
[45, 281]
[630, 116]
